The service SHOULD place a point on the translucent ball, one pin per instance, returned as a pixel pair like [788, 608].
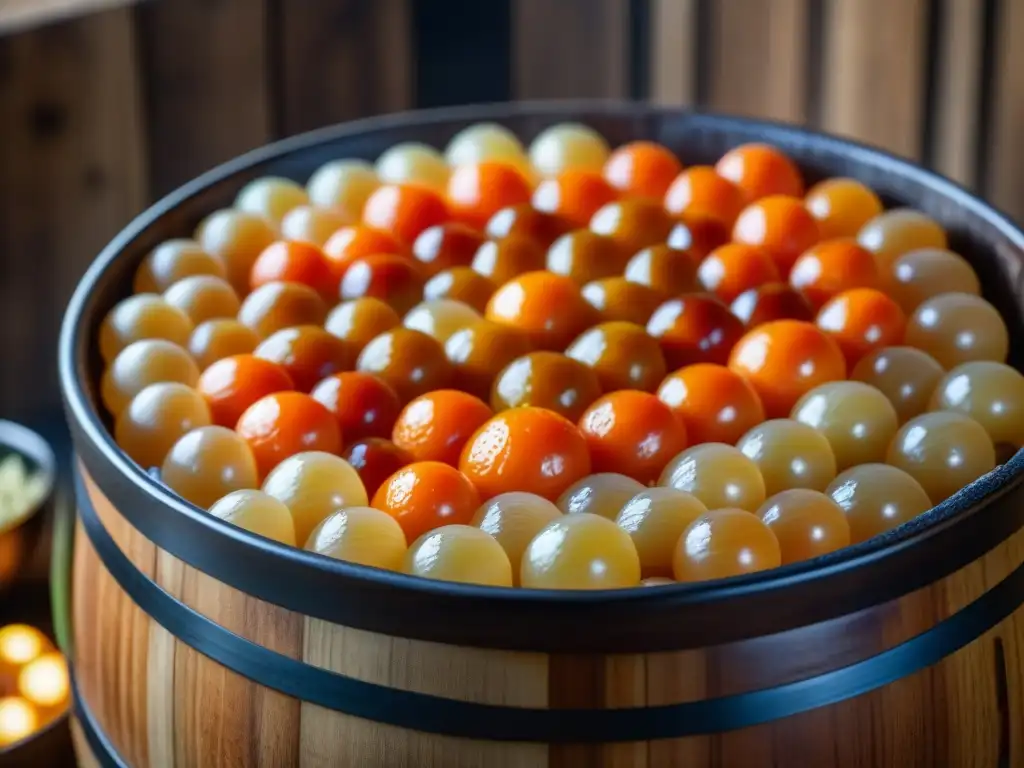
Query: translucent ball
[723, 543]
[990, 393]
[717, 474]
[140, 364]
[806, 523]
[207, 464]
[877, 498]
[156, 419]
[142, 316]
[568, 145]
[440, 318]
[655, 519]
[271, 197]
[957, 328]
[513, 519]
[906, 376]
[581, 551]
[344, 185]
[313, 224]
[362, 535]
[459, 553]
[917, 276]
[258, 513]
[413, 163]
[602, 494]
[789, 455]
[485, 141]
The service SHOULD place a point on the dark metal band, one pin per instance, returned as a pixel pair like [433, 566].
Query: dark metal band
[434, 714]
[98, 742]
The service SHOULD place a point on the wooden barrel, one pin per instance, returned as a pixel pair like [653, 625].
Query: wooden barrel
[197, 644]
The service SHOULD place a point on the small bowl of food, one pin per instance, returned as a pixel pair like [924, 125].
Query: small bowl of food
[28, 469]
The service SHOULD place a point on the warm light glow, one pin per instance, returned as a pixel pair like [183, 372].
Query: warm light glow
[19, 644]
[18, 719]
[45, 681]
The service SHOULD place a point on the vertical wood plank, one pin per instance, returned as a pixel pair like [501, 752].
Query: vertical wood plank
[71, 175]
[673, 52]
[758, 61]
[874, 79]
[958, 104]
[572, 48]
[205, 72]
[343, 60]
[1005, 180]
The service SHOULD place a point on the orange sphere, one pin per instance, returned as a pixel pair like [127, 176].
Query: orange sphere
[363, 404]
[634, 223]
[426, 495]
[546, 380]
[502, 260]
[694, 328]
[460, 284]
[785, 359]
[525, 449]
[632, 433]
[717, 405]
[622, 355]
[524, 220]
[477, 191]
[308, 353]
[349, 244]
[760, 170]
[548, 307]
[862, 320]
[665, 269]
[274, 306]
[293, 261]
[574, 195]
[774, 301]
[404, 210]
[616, 298]
[435, 426]
[700, 192]
[734, 268]
[480, 351]
[395, 280]
[781, 226]
[412, 362]
[232, 384]
[698, 236]
[834, 266]
[285, 423]
[842, 206]
[375, 460]
[642, 168]
[359, 321]
[447, 245]
[585, 256]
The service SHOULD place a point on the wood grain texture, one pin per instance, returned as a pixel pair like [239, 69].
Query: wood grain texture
[758, 58]
[204, 68]
[572, 48]
[673, 52]
[1005, 186]
[874, 75]
[343, 60]
[71, 175]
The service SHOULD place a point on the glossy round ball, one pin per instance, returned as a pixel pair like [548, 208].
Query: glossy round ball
[505, 259]
[917, 276]
[524, 220]
[313, 485]
[350, 244]
[905, 375]
[698, 236]
[990, 393]
[723, 543]
[525, 449]
[485, 141]
[203, 297]
[622, 355]
[140, 364]
[361, 535]
[547, 307]
[208, 463]
[585, 256]
[258, 513]
[156, 419]
[436, 426]
[444, 246]
[789, 454]
[142, 316]
[665, 269]
[734, 268]
[459, 553]
[274, 306]
[426, 495]
[834, 266]
[717, 474]
[619, 299]
[359, 321]
[395, 280]
[440, 318]
[783, 360]
[701, 192]
[633, 222]
[271, 197]
[807, 524]
[284, 424]
[480, 351]
[604, 494]
[404, 210]
[580, 552]
[237, 239]
[861, 321]
[957, 328]
[410, 361]
[413, 163]
[293, 261]
[774, 301]
[568, 146]
[655, 519]
[313, 224]
[877, 498]
[513, 519]
[343, 185]
[857, 420]
[716, 404]
[546, 380]
[842, 206]
[695, 328]
[897, 231]
[216, 339]
[642, 168]
[760, 170]
[307, 353]
[363, 404]
[476, 191]
[232, 384]
[375, 460]
[172, 261]
[461, 284]
[944, 451]
[573, 196]
[781, 226]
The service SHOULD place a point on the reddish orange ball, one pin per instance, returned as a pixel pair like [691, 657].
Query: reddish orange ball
[395, 280]
[698, 236]
[695, 328]
[477, 191]
[404, 210]
[717, 405]
[525, 449]
[574, 195]
[834, 266]
[308, 353]
[363, 404]
[549, 308]
[785, 359]
[862, 320]
[760, 170]
[774, 301]
[700, 192]
[444, 246]
[293, 261]
[280, 425]
[734, 268]
[426, 495]
[350, 244]
[375, 460]
[632, 433]
[642, 168]
[781, 226]
[435, 426]
[232, 384]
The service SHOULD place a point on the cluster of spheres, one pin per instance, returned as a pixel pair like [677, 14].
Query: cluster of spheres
[34, 683]
[565, 366]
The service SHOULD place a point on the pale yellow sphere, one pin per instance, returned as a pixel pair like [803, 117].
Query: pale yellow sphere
[313, 224]
[343, 185]
[361, 535]
[568, 146]
[513, 519]
[604, 494]
[717, 474]
[655, 519]
[440, 318]
[258, 513]
[271, 197]
[459, 553]
[485, 141]
[413, 163]
[581, 551]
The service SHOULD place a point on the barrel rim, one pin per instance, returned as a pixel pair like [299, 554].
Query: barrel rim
[852, 573]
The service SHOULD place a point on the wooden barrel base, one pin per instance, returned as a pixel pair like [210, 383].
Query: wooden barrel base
[92, 748]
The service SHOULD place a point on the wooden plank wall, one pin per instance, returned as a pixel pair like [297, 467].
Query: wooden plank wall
[101, 115]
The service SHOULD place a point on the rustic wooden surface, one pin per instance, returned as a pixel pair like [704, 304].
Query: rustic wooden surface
[106, 112]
